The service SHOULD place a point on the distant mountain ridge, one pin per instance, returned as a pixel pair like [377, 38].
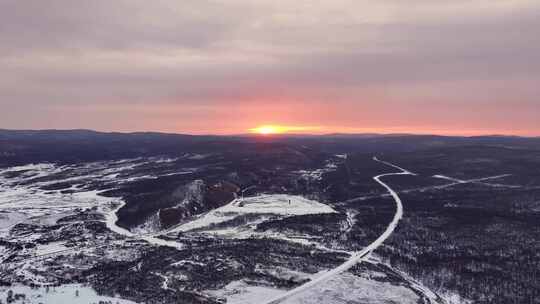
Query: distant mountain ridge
[69, 146]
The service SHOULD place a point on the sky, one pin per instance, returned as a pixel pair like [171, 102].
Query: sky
[462, 67]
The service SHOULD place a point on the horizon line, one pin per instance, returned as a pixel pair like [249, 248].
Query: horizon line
[286, 134]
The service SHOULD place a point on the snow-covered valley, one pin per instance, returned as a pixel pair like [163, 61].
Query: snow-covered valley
[287, 224]
[38, 214]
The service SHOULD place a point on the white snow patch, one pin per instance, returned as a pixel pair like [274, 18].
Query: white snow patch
[112, 218]
[453, 298]
[65, 294]
[184, 262]
[151, 225]
[9, 219]
[343, 288]
[277, 204]
[348, 288]
[240, 292]
[44, 249]
[198, 156]
[25, 204]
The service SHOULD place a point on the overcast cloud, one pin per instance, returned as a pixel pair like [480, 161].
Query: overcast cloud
[463, 66]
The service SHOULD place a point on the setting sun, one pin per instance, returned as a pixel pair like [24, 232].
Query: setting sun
[265, 130]
[277, 129]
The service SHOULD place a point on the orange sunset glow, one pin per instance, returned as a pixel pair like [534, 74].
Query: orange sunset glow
[261, 67]
[277, 129]
[270, 152]
[268, 130]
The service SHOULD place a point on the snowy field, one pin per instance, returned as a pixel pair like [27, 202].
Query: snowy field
[23, 198]
[344, 288]
[348, 288]
[26, 199]
[268, 206]
[317, 174]
[65, 294]
[30, 205]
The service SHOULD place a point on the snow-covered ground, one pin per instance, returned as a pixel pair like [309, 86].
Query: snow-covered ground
[112, 218]
[241, 292]
[364, 253]
[281, 204]
[276, 204]
[343, 288]
[317, 174]
[44, 249]
[65, 294]
[29, 205]
[23, 202]
[10, 218]
[348, 288]
[483, 181]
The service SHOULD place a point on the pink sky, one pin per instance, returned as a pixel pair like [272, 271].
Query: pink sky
[447, 67]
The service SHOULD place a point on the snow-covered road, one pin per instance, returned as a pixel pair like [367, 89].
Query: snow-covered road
[111, 218]
[482, 181]
[453, 182]
[361, 255]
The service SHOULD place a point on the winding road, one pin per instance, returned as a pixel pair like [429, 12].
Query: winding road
[111, 218]
[361, 255]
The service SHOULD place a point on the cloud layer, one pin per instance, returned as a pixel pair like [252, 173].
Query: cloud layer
[464, 66]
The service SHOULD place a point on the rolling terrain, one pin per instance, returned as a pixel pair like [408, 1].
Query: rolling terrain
[164, 218]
